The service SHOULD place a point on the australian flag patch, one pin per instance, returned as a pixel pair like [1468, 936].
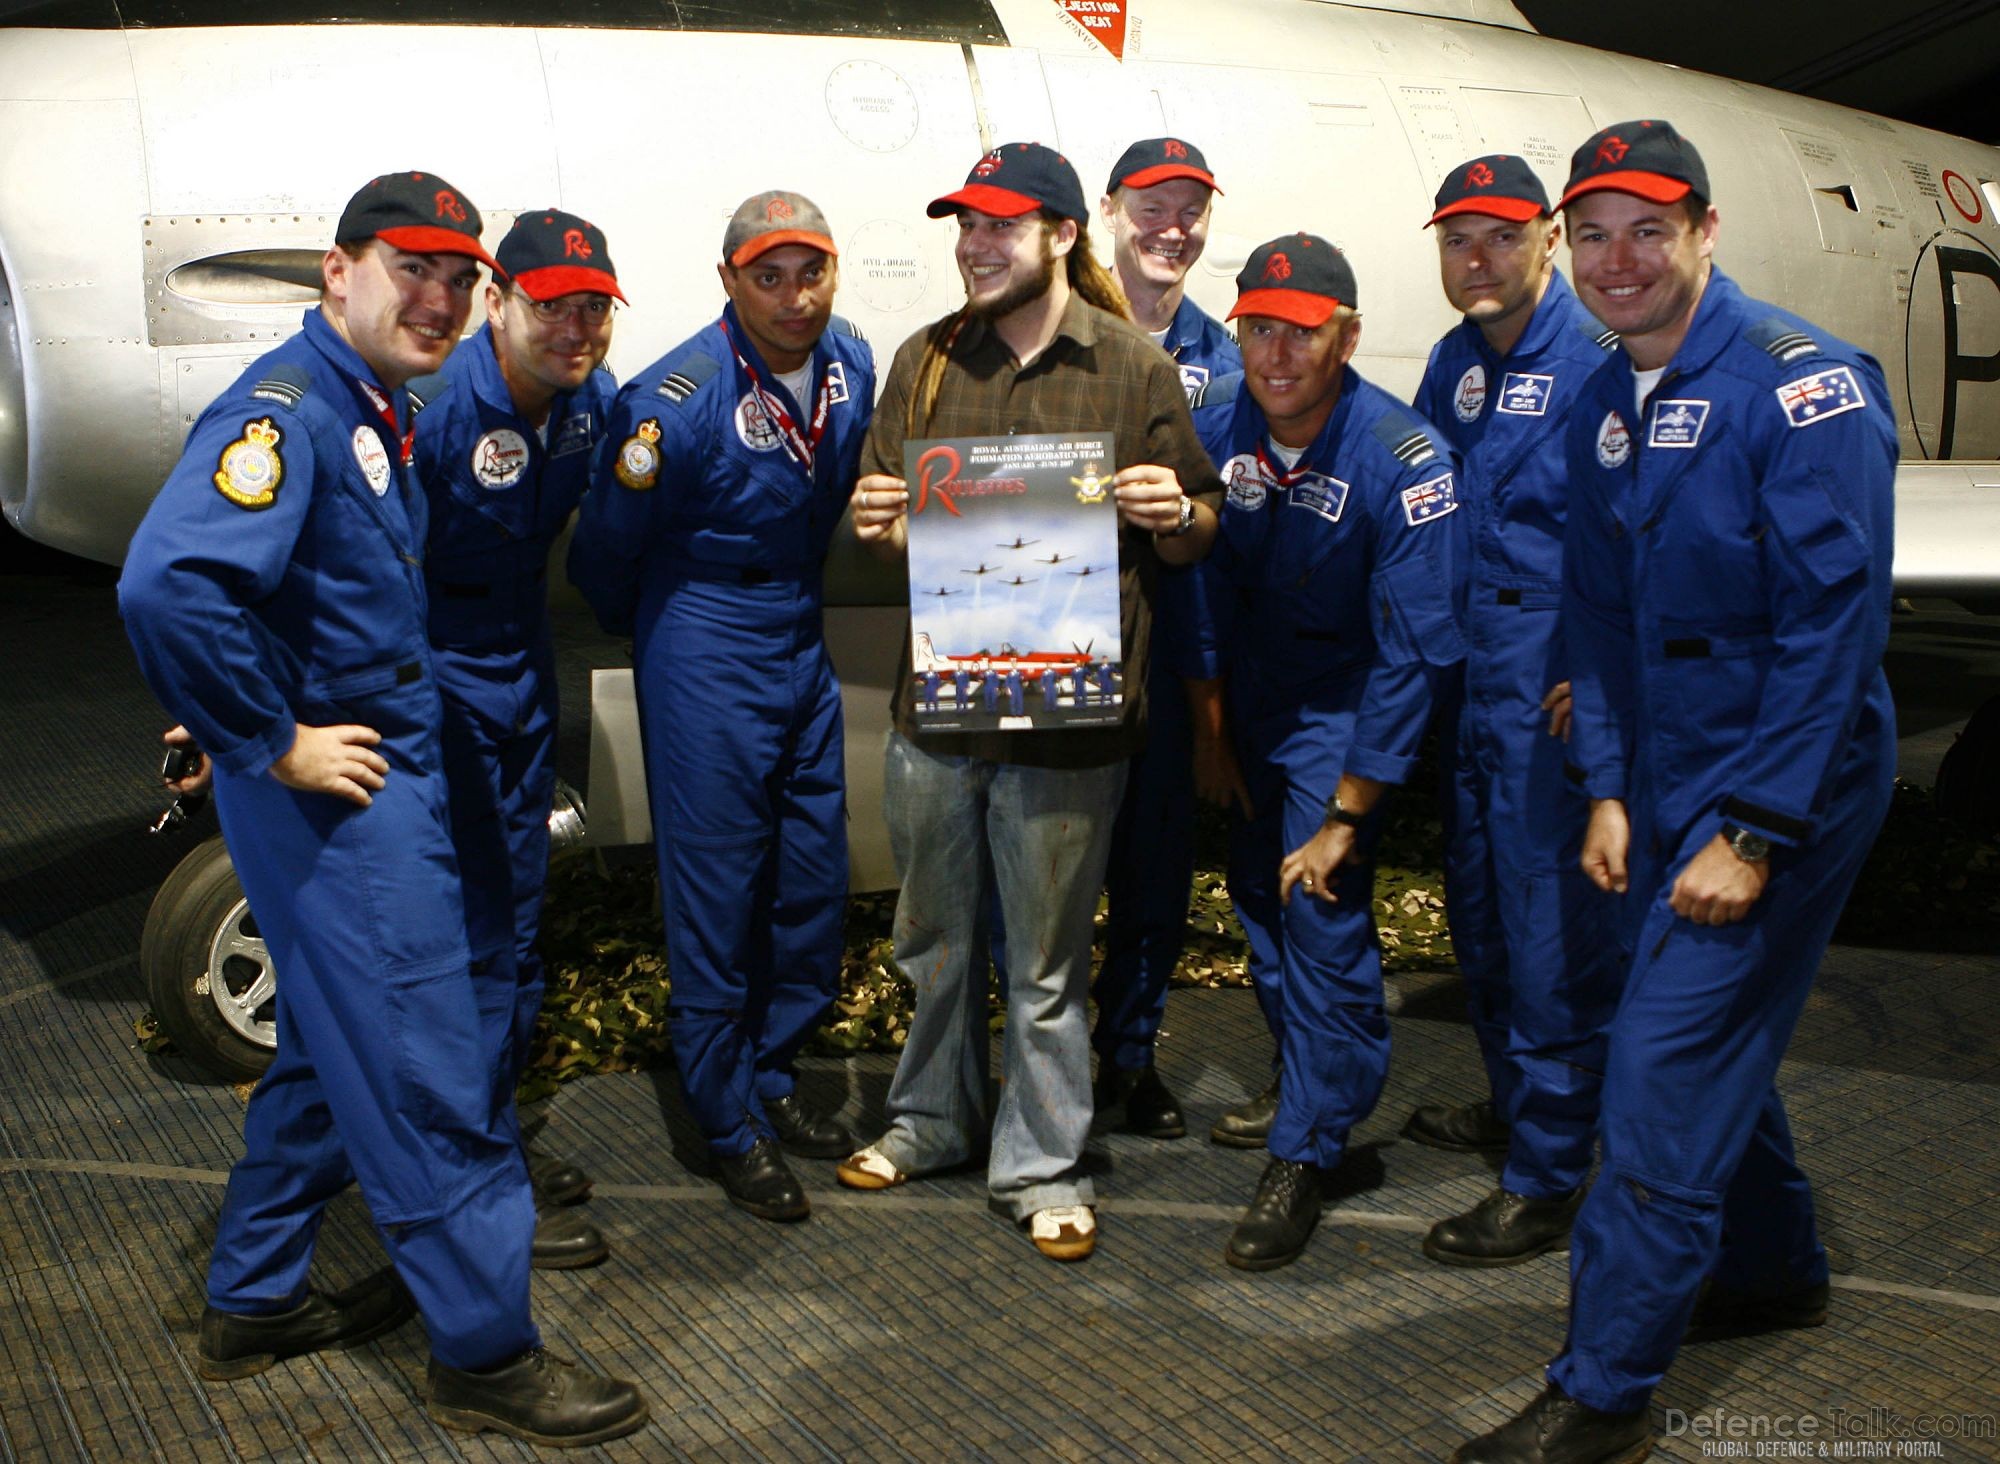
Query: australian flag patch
[1821, 395]
[1427, 501]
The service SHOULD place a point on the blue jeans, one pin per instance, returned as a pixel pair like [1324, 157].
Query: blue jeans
[1042, 836]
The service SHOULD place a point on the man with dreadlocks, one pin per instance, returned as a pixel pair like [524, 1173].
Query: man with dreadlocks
[1043, 344]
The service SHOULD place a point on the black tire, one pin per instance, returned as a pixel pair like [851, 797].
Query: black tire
[203, 961]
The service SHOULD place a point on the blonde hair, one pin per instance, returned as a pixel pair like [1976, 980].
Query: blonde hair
[1087, 277]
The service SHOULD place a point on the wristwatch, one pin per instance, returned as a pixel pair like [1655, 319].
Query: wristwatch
[1335, 814]
[1750, 848]
[1185, 522]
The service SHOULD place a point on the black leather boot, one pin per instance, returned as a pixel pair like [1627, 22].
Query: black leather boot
[1504, 1229]
[565, 1241]
[556, 1181]
[1248, 1125]
[1470, 1128]
[807, 1132]
[231, 1345]
[1150, 1109]
[543, 1399]
[1556, 1429]
[1280, 1219]
[760, 1181]
[1721, 1313]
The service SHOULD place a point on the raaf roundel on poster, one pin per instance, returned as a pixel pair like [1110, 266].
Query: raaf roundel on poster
[1102, 20]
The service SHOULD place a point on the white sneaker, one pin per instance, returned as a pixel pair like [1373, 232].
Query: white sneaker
[869, 1169]
[1064, 1232]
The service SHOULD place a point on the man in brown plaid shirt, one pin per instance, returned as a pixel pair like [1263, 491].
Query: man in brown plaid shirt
[1043, 345]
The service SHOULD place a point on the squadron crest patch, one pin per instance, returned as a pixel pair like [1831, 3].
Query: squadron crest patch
[374, 459]
[249, 470]
[638, 464]
[1245, 481]
[1470, 398]
[1614, 440]
[500, 458]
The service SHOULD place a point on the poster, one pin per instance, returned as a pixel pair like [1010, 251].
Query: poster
[1014, 622]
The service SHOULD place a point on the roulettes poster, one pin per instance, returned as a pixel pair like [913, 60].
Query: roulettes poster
[1014, 583]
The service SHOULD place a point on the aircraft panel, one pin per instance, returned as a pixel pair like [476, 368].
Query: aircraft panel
[943, 20]
[888, 131]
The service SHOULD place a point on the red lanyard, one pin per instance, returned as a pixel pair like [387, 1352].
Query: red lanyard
[801, 447]
[1284, 478]
[388, 411]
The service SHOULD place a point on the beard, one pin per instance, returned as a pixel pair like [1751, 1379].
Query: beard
[1025, 290]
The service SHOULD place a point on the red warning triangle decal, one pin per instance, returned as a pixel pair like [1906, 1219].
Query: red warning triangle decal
[1102, 20]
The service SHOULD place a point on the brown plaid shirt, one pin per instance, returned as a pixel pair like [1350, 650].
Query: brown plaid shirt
[1099, 374]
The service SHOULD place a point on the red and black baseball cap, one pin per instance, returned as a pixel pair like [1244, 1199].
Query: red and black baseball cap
[1498, 184]
[1299, 278]
[416, 212]
[1018, 178]
[1648, 158]
[771, 220]
[549, 254]
[1157, 160]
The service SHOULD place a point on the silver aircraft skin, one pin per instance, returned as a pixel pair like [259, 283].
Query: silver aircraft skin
[166, 193]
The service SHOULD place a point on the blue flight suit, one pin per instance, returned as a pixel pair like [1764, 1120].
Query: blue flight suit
[1151, 865]
[704, 536]
[1535, 939]
[1726, 604]
[1329, 603]
[277, 580]
[499, 491]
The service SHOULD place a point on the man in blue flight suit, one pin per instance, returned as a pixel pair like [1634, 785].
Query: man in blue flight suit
[726, 471]
[1535, 939]
[1331, 590]
[503, 455]
[1726, 604]
[274, 597]
[1156, 207]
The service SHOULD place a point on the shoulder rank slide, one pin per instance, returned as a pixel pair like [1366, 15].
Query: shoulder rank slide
[1606, 339]
[1409, 443]
[841, 325]
[425, 390]
[286, 385]
[686, 378]
[249, 470]
[1217, 391]
[1780, 340]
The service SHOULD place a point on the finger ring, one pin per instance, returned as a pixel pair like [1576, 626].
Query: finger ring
[1309, 881]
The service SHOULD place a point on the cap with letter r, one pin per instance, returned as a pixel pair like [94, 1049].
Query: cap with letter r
[770, 220]
[1159, 160]
[1498, 184]
[1300, 279]
[1647, 158]
[1018, 178]
[549, 254]
[419, 213]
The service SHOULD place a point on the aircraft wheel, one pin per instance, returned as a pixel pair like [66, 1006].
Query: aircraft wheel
[211, 981]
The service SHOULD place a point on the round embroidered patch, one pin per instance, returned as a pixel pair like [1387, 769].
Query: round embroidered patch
[500, 458]
[1614, 441]
[373, 457]
[1245, 481]
[754, 425]
[1470, 398]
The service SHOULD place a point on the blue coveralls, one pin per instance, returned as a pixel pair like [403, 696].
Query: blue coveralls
[1329, 603]
[1535, 940]
[1726, 604]
[1151, 863]
[702, 534]
[499, 492]
[277, 580]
